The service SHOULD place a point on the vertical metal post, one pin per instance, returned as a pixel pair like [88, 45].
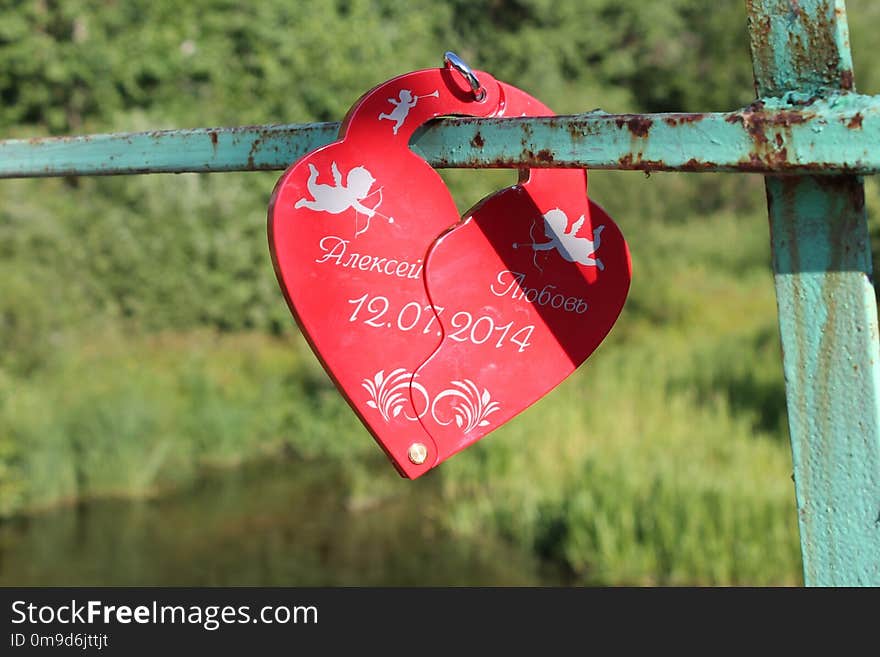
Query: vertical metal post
[827, 309]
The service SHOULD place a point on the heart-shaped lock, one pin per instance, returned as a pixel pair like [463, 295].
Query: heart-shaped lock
[436, 336]
[349, 226]
[526, 288]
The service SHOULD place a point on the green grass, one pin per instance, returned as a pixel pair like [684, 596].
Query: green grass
[118, 415]
[664, 459]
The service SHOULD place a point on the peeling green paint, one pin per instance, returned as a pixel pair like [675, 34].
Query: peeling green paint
[827, 309]
[825, 132]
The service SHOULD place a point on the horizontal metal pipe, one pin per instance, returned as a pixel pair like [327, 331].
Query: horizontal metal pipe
[839, 133]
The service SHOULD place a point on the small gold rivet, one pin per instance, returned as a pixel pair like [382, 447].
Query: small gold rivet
[417, 453]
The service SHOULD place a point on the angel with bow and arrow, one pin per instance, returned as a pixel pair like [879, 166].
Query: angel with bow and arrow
[566, 242]
[340, 197]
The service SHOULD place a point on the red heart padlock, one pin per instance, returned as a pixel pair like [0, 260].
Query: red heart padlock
[526, 288]
[509, 314]
[349, 227]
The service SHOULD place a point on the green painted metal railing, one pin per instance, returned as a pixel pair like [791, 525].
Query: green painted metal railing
[810, 133]
[827, 131]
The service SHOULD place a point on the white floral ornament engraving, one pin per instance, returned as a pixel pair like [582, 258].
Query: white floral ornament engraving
[469, 406]
[389, 396]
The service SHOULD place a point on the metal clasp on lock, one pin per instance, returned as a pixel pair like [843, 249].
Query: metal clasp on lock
[456, 63]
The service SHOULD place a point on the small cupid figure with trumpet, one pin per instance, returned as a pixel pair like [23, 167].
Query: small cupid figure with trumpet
[402, 106]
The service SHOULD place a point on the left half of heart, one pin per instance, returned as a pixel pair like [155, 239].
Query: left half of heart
[350, 225]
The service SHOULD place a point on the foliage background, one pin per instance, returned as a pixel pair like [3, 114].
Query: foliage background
[143, 338]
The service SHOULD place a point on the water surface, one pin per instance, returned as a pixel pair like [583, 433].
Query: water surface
[289, 523]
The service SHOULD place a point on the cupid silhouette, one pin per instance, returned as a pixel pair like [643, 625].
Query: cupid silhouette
[569, 246]
[339, 198]
[402, 107]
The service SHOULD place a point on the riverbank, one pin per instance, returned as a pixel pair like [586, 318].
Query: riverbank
[663, 460]
[283, 522]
